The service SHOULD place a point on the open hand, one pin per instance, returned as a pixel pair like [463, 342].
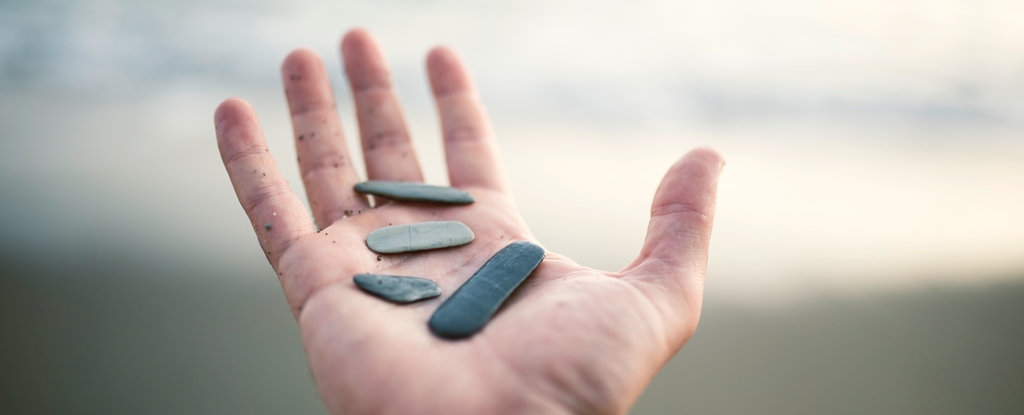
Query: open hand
[569, 340]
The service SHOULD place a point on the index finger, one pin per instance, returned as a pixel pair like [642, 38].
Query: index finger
[470, 147]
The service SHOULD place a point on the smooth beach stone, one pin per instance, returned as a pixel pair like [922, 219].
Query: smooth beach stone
[418, 237]
[475, 302]
[415, 192]
[397, 288]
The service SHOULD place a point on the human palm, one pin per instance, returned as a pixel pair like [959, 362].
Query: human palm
[569, 340]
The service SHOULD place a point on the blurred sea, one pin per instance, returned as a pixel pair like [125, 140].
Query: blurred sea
[867, 249]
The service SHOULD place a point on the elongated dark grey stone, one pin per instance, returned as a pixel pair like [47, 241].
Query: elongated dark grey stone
[415, 192]
[419, 236]
[475, 302]
[397, 288]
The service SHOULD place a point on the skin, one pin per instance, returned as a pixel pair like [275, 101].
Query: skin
[570, 340]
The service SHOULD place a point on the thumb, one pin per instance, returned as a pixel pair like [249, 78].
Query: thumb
[671, 265]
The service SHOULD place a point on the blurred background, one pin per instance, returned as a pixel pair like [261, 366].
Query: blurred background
[868, 254]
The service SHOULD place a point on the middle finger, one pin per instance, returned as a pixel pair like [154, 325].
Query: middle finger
[386, 146]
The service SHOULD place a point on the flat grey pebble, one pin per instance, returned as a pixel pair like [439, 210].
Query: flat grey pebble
[415, 192]
[397, 288]
[419, 237]
[471, 306]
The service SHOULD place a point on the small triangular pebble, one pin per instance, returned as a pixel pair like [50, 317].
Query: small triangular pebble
[396, 288]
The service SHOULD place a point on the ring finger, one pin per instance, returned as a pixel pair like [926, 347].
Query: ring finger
[324, 161]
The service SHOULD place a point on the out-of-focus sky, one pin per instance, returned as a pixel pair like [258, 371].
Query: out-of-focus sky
[872, 145]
